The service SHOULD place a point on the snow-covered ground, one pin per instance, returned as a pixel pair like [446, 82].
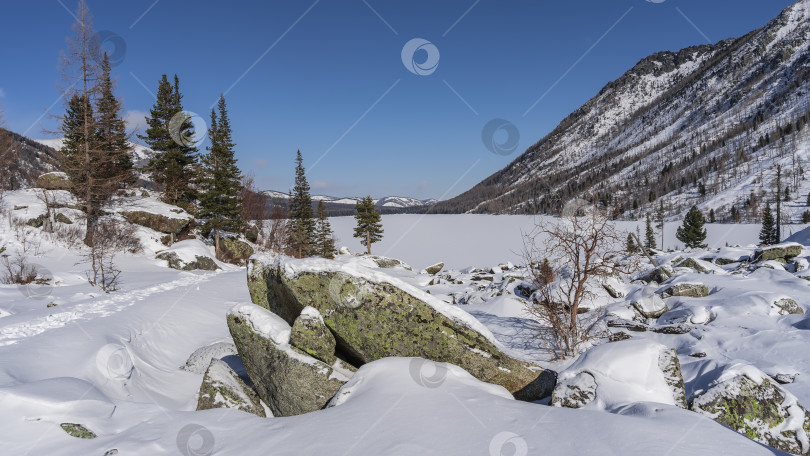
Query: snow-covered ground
[113, 362]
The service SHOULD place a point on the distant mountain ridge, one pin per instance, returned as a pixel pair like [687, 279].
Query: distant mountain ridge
[345, 205]
[707, 125]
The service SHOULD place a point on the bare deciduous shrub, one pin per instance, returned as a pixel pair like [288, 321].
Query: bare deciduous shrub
[17, 269]
[276, 240]
[567, 257]
[110, 238]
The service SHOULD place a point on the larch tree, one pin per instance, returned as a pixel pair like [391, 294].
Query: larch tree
[324, 238]
[95, 152]
[171, 134]
[302, 223]
[369, 223]
[220, 180]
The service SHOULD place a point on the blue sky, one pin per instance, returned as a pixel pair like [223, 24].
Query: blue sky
[327, 77]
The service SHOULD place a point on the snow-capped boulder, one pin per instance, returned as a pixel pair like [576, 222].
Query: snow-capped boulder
[647, 303]
[287, 379]
[222, 388]
[693, 264]
[659, 275]
[199, 361]
[189, 255]
[434, 269]
[311, 335]
[745, 399]
[690, 290]
[786, 306]
[385, 263]
[610, 376]
[374, 315]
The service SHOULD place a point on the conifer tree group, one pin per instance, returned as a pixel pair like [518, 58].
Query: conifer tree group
[95, 149]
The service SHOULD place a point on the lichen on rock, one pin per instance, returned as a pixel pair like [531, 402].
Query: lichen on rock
[222, 388]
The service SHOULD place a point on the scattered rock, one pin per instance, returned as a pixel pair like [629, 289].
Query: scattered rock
[618, 336]
[62, 218]
[386, 263]
[252, 234]
[222, 388]
[612, 291]
[608, 376]
[786, 306]
[675, 329]
[659, 275]
[199, 361]
[434, 269]
[785, 379]
[157, 222]
[693, 264]
[575, 392]
[385, 317]
[19, 208]
[200, 262]
[648, 304]
[344, 251]
[311, 335]
[37, 222]
[51, 304]
[690, 290]
[288, 380]
[698, 355]
[78, 431]
[748, 401]
[627, 324]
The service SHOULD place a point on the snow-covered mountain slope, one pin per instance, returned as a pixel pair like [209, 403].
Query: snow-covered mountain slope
[140, 154]
[25, 159]
[337, 203]
[706, 125]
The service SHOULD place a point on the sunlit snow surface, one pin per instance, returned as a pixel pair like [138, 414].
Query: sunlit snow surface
[112, 362]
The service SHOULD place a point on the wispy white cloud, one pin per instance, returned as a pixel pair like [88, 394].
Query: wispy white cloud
[2, 93]
[135, 120]
[260, 162]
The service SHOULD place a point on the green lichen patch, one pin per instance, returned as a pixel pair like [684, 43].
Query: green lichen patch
[310, 334]
[78, 431]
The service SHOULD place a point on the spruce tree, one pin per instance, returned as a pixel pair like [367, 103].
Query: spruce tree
[369, 223]
[767, 235]
[712, 216]
[649, 235]
[111, 133]
[170, 133]
[631, 245]
[220, 180]
[692, 233]
[325, 239]
[302, 224]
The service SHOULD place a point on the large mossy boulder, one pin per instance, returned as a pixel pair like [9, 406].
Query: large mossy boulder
[610, 376]
[222, 388]
[309, 333]
[786, 306]
[157, 222]
[235, 251]
[782, 252]
[693, 264]
[53, 181]
[287, 379]
[749, 402]
[373, 315]
[659, 275]
[647, 303]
